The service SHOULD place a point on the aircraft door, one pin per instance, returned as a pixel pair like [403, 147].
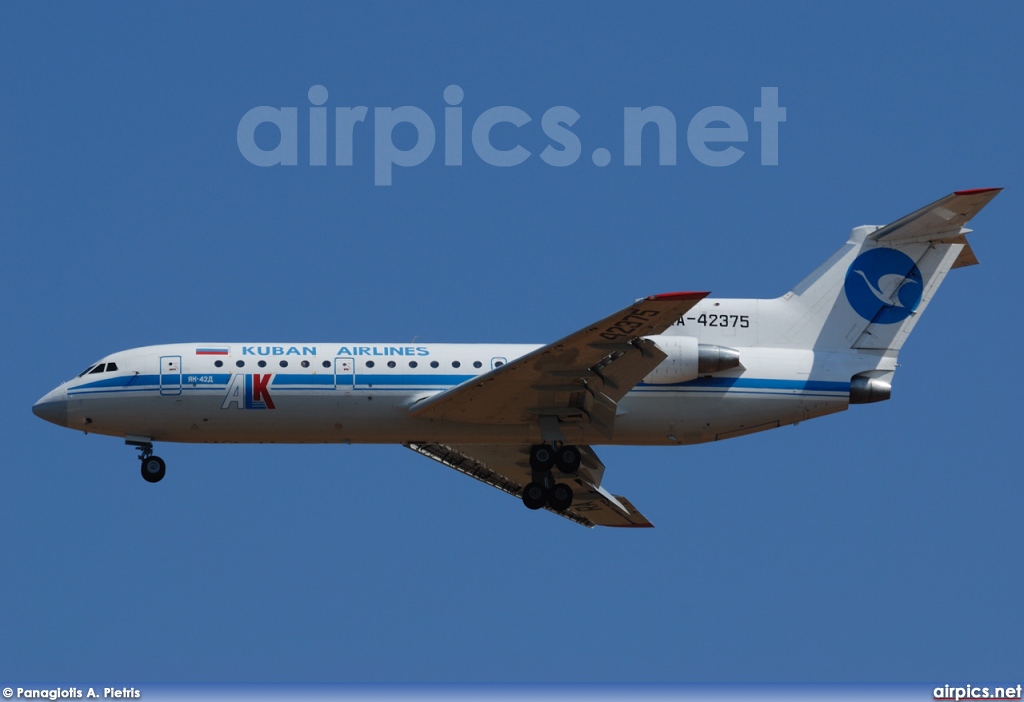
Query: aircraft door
[170, 375]
[344, 373]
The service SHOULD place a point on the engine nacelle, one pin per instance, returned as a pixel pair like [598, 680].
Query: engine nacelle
[712, 358]
[688, 360]
[865, 389]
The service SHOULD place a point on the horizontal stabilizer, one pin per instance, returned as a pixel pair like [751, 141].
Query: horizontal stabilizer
[942, 220]
[966, 256]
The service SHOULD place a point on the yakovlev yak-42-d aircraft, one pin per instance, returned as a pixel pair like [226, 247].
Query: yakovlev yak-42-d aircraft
[674, 368]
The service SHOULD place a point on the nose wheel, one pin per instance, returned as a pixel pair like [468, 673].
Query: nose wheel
[153, 467]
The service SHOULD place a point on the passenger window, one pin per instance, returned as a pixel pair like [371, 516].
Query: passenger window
[433, 364]
[455, 364]
[369, 364]
[477, 364]
[239, 363]
[326, 364]
[97, 369]
[284, 364]
[413, 364]
[305, 364]
[218, 363]
[391, 364]
[262, 364]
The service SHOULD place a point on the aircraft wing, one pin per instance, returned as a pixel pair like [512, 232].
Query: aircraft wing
[939, 221]
[579, 378]
[507, 467]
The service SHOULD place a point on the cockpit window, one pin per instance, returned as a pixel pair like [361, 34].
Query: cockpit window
[85, 371]
[111, 367]
[97, 369]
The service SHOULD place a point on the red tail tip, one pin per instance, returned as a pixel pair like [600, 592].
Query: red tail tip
[679, 296]
[975, 191]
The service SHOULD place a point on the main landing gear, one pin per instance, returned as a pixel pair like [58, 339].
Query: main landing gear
[544, 491]
[153, 467]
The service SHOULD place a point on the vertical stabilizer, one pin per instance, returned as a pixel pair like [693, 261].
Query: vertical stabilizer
[870, 293]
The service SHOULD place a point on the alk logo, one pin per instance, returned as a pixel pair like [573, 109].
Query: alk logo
[249, 391]
[884, 286]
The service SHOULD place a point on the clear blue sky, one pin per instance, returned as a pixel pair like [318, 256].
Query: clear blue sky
[883, 543]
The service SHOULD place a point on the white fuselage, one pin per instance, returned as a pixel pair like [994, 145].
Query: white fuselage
[361, 393]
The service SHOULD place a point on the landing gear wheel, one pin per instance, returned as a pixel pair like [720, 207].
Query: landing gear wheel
[153, 469]
[541, 458]
[560, 498]
[568, 458]
[535, 496]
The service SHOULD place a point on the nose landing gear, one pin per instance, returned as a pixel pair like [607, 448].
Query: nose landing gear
[153, 467]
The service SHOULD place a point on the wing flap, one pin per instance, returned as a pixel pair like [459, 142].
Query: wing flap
[577, 378]
[507, 468]
[619, 372]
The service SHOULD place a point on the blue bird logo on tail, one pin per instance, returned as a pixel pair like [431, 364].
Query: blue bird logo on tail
[892, 281]
[884, 286]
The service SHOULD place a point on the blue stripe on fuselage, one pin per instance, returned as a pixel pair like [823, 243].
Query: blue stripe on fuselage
[325, 381]
[758, 383]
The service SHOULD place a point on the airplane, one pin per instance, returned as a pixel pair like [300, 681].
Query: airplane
[669, 369]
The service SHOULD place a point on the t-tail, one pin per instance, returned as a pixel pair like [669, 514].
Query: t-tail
[854, 313]
[871, 293]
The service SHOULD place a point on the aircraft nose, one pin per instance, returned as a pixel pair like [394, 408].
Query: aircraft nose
[53, 407]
